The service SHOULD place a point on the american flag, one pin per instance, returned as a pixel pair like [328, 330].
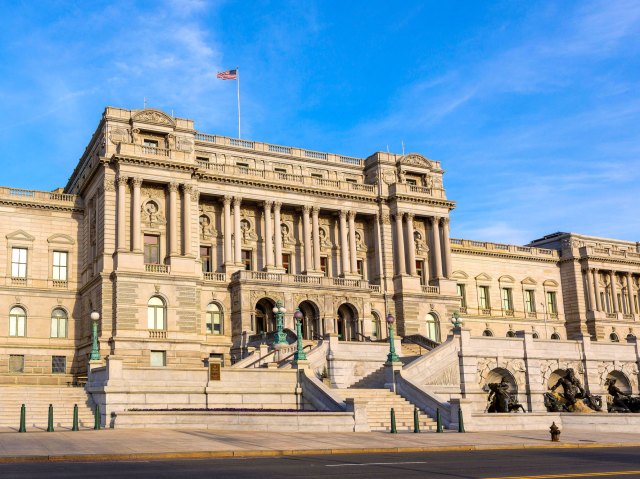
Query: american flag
[228, 75]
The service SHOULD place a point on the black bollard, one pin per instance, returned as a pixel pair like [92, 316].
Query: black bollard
[96, 424]
[75, 418]
[50, 420]
[460, 421]
[23, 419]
[438, 421]
[393, 422]
[416, 420]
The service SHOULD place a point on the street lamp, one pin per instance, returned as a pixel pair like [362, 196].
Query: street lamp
[299, 355]
[281, 337]
[95, 352]
[392, 357]
[455, 320]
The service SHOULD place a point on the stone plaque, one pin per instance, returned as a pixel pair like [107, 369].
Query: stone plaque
[214, 371]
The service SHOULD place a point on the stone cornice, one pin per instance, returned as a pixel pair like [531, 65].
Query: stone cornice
[607, 260]
[500, 254]
[25, 203]
[426, 201]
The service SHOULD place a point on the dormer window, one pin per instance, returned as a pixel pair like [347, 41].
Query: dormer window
[151, 143]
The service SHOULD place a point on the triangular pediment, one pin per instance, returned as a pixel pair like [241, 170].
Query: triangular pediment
[529, 280]
[153, 116]
[20, 235]
[60, 238]
[506, 279]
[459, 275]
[483, 277]
[415, 159]
[551, 282]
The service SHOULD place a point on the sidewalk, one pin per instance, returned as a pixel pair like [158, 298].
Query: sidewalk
[139, 444]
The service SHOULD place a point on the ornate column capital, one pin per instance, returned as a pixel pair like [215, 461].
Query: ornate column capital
[399, 215]
[410, 216]
[277, 205]
[343, 214]
[136, 182]
[187, 188]
[268, 204]
[306, 209]
[227, 199]
[237, 200]
[195, 195]
[315, 210]
[173, 186]
[122, 180]
[434, 220]
[445, 220]
[352, 215]
[109, 184]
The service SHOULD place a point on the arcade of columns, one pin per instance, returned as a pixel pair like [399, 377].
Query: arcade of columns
[405, 250]
[592, 280]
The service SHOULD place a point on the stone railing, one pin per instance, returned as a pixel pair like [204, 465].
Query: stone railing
[299, 279]
[611, 315]
[217, 277]
[157, 268]
[59, 283]
[375, 288]
[19, 281]
[157, 334]
[430, 289]
[35, 195]
[461, 244]
[626, 254]
[415, 190]
[131, 149]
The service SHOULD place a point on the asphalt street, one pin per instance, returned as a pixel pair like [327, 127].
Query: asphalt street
[529, 463]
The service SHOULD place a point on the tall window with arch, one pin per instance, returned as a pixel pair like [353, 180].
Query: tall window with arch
[156, 313]
[376, 327]
[58, 323]
[433, 328]
[214, 319]
[17, 322]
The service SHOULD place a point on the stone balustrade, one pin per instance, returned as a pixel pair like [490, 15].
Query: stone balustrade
[298, 279]
[35, 196]
[470, 245]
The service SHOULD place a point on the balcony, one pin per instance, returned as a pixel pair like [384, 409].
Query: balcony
[131, 149]
[405, 189]
[430, 289]
[48, 198]
[157, 268]
[157, 334]
[215, 277]
[59, 283]
[298, 279]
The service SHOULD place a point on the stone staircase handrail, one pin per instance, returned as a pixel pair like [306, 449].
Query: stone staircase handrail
[425, 399]
[319, 395]
[419, 370]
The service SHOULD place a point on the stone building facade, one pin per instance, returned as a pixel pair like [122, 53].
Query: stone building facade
[185, 241]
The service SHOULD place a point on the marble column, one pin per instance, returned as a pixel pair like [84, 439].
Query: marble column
[437, 252]
[228, 258]
[306, 240]
[121, 214]
[278, 233]
[447, 247]
[411, 244]
[353, 253]
[173, 219]
[268, 233]
[401, 263]
[614, 291]
[344, 247]
[590, 290]
[629, 293]
[237, 232]
[186, 220]
[135, 215]
[596, 289]
[315, 230]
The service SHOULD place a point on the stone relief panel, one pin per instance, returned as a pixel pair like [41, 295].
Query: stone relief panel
[548, 366]
[120, 135]
[450, 376]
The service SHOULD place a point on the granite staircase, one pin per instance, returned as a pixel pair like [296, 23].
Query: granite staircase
[37, 399]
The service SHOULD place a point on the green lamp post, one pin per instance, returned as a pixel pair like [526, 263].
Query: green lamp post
[392, 357]
[300, 355]
[95, 352]
[281, 337]
[455, 320]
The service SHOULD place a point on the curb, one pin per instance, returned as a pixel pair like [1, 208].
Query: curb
[296, 452]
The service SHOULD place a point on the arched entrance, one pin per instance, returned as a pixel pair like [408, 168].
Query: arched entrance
[263, 316]
[348, 322]
[311, 327]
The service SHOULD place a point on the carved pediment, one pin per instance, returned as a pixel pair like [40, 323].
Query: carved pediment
[460, 275]
[551, 283]
[415, 159]
[506, 279]
[483, 277]
[60, 238]
[529, 280]
[153, 116]
[20, 235]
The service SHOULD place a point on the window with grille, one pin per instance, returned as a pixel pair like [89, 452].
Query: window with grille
[60, 265]
[16, 363]
[58, 364]
[19, 262]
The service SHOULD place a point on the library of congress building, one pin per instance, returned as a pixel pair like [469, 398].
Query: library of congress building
[182, 244]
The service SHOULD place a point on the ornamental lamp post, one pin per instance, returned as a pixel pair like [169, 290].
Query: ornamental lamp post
[392, 357]
[281, 337]
[95, 352]
[455, 320]
[299, 355]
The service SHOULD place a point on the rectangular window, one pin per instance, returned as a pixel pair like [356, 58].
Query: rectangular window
[324, 265]
[507, 299]
[551, 302]
[420, 270]
[484, 297]
[158, 358]
[19, 262]
[58, 364]
[205, 257]
[529, 301]
[214, 322]
[202, 158]
[242, 165]
[316, 175]
[463, 295]
[151, 143]
[151, 249]
[246, 259]
[17, 323]
[60, 265]
[360, 267]
[58, 326]
[280, 170]
[351, 180]
[16, 363]
[286, 262]
[411, 181]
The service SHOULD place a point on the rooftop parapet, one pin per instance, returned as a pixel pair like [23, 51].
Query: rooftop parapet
[506, 249]
[50, 199]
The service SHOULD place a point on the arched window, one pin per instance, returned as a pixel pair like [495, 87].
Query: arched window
[17, 322]
[535, 336]
[555, 336]
[376, 329]
[511, 334]
[214, 319]
[58, 323]
[156, 313]
[433, 328]
[487, 332]
[614, 338]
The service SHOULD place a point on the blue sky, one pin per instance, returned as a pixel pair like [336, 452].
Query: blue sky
[532, 107]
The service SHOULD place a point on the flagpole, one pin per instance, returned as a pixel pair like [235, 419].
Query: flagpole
[238, 76]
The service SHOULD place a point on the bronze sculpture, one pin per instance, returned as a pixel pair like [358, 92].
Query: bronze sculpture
[500, 400]
[573, 398]
[621, 402]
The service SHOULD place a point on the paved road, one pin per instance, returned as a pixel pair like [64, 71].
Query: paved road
[561, 463]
